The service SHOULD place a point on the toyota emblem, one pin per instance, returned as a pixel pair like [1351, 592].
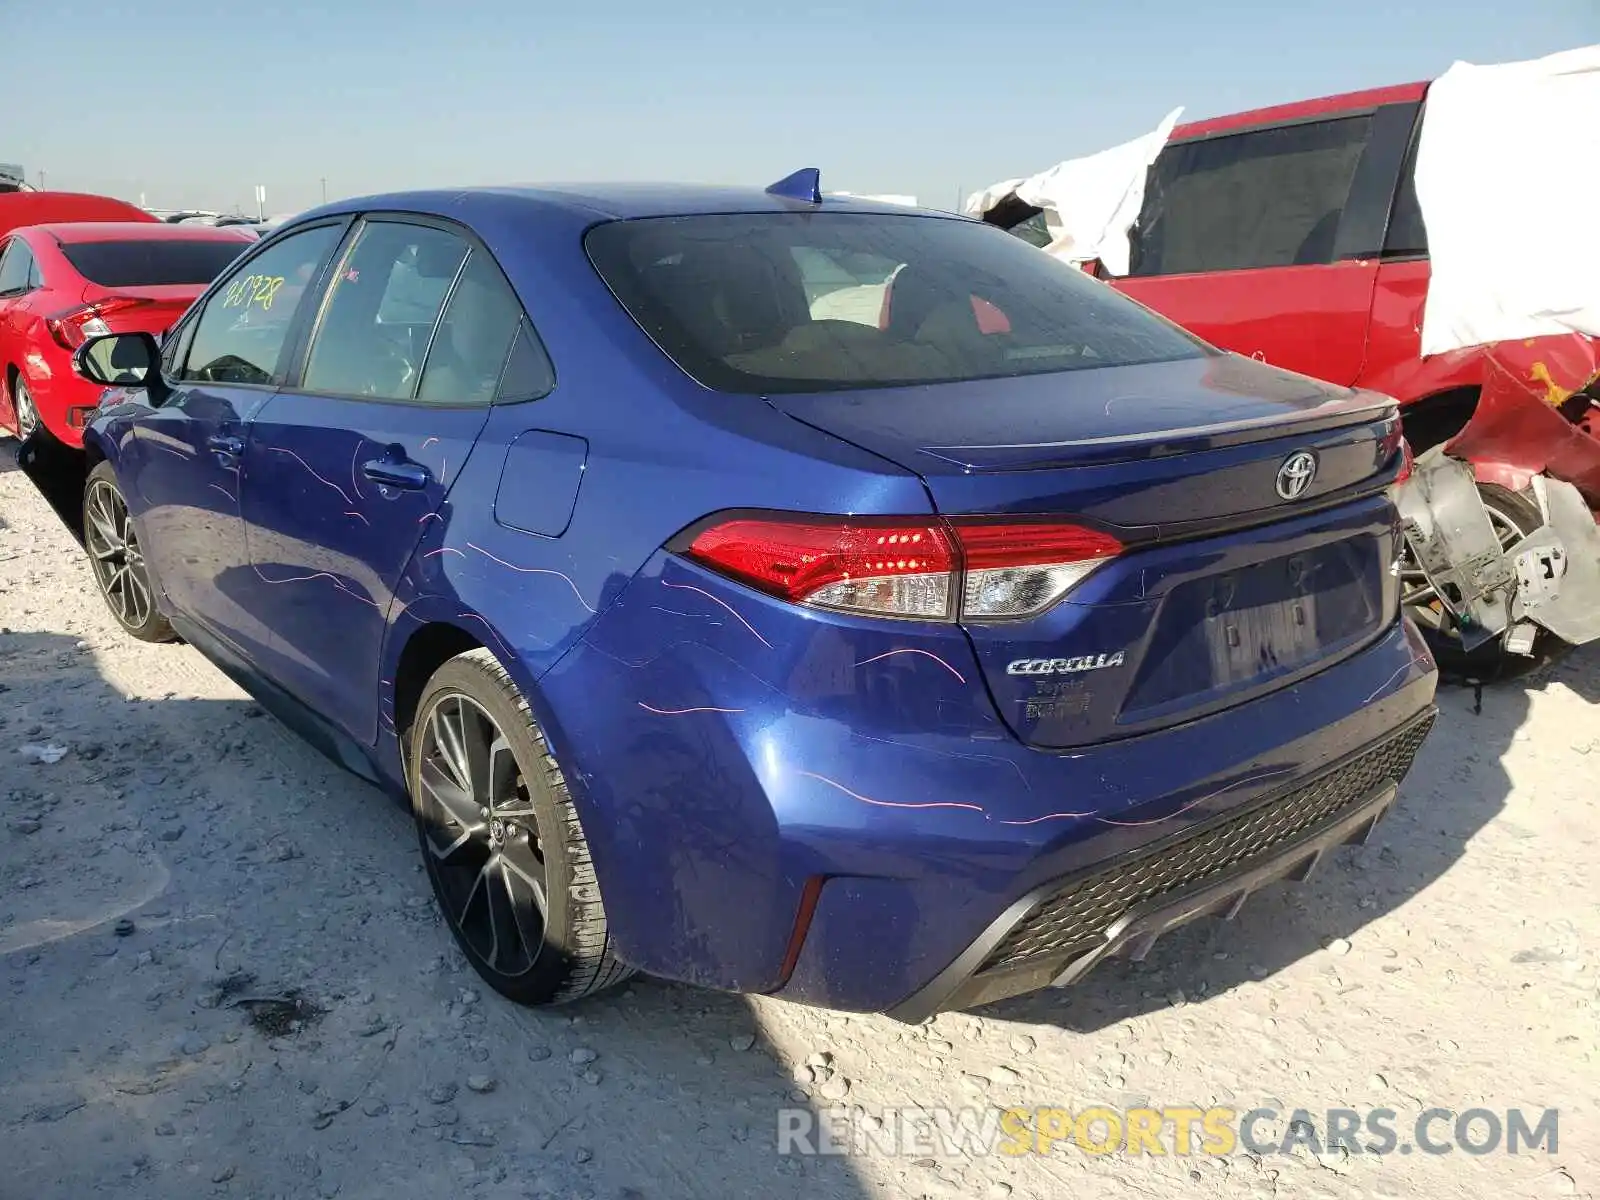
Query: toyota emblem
[1296, 474]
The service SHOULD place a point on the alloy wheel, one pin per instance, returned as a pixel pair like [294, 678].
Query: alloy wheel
[27, 414]
[114, 550]
[481, 835]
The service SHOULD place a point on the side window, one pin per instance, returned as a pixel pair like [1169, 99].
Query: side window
[1407, 236]
[468, 354]
[528, 374]
[1034, 230]
[175, 349]
[1268, 198]
[380, 314]
[35, 277]
[240, 335]
[15, 265]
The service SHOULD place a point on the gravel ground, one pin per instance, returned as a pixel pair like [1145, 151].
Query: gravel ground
[222, 975]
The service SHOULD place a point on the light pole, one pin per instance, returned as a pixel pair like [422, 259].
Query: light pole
[41, 179]
[324, 189]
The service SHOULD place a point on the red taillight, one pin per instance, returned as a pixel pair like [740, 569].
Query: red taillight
[923, 568]
[1016, 570]
[75, 326]
[1406, 461]
[894, 567]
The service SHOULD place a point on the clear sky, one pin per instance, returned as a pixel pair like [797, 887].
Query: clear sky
[194, 102]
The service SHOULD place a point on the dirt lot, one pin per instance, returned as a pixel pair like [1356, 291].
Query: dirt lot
[222, 975]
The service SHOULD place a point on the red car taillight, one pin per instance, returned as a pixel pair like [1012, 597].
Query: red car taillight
[924, 568]
[1406, 461]
[75, 326]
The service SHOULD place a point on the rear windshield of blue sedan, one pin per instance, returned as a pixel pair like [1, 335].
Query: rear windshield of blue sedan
[804, 302]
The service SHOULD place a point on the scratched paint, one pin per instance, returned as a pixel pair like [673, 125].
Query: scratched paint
[679, 712]
[689, 587]
[833, 783]
[562, 575]
[343, 495]
[913, 650]
[334, 579]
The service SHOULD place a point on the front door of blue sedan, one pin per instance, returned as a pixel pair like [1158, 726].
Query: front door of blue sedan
[183, 476]
[346, 464]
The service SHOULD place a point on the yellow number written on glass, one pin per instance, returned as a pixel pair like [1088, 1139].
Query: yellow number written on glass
[257, 290]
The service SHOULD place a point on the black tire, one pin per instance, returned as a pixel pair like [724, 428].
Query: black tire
[117, 559]
[1491, 661]
[480, 856]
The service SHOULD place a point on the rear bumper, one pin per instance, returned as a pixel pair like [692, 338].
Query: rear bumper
[1057, 934]
[56, 391]
[810, 808]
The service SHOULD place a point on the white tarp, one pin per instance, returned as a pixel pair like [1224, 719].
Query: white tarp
[1089, 203]
[1508, 178]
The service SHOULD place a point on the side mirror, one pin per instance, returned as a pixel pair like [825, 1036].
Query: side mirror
[125, 360]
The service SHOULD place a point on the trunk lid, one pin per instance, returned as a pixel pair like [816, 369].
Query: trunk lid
[156, 304]
[1226, 589]
[144, 308]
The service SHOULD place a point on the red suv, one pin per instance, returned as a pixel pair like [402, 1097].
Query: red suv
[63, 283]
[1293, 235]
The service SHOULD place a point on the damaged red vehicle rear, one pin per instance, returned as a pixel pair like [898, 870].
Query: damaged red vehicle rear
[1294, 235]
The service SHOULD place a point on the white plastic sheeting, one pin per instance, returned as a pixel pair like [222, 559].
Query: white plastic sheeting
[1090, 203]
[1508, 178]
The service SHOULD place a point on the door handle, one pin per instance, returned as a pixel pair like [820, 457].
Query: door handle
[402, 474]
[224, 444]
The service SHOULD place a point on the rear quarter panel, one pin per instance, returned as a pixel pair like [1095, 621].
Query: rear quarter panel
[661, 453]
[1394, 364]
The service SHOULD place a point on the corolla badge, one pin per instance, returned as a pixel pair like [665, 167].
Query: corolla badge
[1296, 474]
[1064, 666]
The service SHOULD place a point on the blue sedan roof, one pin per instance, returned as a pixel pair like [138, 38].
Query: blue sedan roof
[614, 201]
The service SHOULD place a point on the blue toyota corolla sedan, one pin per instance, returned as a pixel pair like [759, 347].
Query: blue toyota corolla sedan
[773, 592]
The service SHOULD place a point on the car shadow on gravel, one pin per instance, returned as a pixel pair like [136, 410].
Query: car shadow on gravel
[57, 472]
[1457, 786]
[220, 961]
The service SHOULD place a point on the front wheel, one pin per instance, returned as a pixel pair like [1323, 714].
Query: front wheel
[1513, 516]
[118, 559]
[501, 840]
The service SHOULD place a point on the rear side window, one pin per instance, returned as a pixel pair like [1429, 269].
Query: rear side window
[152, 263]
[1034, 230]
[1407, 236]
[797, 302]
[1268, 198]
[16, 266]
[468, 353]
[529, 373]
[379, 317]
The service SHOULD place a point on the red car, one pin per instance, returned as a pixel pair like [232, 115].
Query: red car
[62, 283]
[1293, 235]
[54, 208]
